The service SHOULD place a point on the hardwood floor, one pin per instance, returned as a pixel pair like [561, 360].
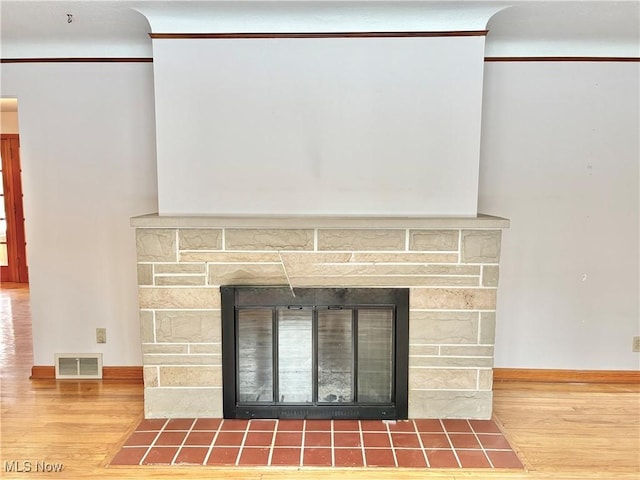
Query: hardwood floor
[561, 431]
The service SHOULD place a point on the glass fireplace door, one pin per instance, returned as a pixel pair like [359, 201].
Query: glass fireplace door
[314, 360]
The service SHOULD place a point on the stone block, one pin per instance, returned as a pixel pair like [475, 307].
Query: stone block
[443, 327]
[481, 246]
[188, 326]
[361, 239]
[156, 245]
[485, 379]
[445, 361]
[487, 328]
[199, 239]
[230, 257]
[453, 298]
[467, 350]
[247, 274]
[179, 297]
[268, 239]
[378, 269]
[194, 376]
[433, 240]
[147, 334]
[171, 268]
[164, 348]
[408, 257]
[180, 402]
[446, 404]
[490, 275]
[180, 280]
[443, 378]
[145, 274]
[432, 350]
[211, 348]
[150, 376]
[180, 360]
[382, 281]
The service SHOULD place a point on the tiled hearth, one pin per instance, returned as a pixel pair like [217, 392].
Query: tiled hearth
[318, 443]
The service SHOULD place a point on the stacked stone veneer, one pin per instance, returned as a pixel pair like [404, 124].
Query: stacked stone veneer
[450, 266]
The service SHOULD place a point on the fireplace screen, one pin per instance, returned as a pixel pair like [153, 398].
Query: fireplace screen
[323, 353]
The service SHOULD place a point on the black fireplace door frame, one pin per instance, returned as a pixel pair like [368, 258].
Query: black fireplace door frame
[235, 298]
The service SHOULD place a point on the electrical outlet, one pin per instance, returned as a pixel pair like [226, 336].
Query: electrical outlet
[636, 344]
[101, 335]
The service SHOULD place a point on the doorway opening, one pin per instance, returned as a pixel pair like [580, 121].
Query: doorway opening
[13, 258]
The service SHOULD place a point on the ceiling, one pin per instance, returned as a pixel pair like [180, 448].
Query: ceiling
[517, 28]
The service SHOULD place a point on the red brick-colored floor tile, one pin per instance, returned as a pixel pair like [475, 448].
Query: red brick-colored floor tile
[318, 425]
[254, 456]
[229, 439]
[496, 442]
[406, 440]
[170, 438]
[484, 426]
[376, 440]
[179, 424]
[258, 439]
[346, 439]
[223, 456]
[401, 426]
[317, 439]
[348, 457]
[428, 425]
[288, 439]
[207, 424]
[464, 440]
[410, 458]
[442, 459]
[234, 424]
[346, 426]
[317, 457]
[191, 455]
[202, 438]
[160, 455]
[290, 425]
[373, 426]
[262, 425]
[387, 443]
[380, 457]
[473, 459]
[435, 440]
[129, 456]
[504, 459]
[286, 456]
[458, 426]
[151, 424]
[140, 439]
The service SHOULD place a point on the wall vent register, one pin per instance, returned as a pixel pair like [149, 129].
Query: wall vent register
[323, 353]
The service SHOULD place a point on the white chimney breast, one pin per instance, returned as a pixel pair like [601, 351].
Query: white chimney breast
[360, 126]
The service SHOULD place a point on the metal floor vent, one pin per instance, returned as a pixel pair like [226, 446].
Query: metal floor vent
[78, 365]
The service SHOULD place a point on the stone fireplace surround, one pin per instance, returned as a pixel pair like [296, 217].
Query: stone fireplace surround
[450, 265]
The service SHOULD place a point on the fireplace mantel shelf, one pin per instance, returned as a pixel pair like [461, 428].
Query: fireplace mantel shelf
[155, 220]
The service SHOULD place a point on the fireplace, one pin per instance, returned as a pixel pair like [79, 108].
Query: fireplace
[449, 267]
[315, 353]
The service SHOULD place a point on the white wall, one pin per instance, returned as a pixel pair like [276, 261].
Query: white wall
[9, 122]
[560, 158]
[88, 157]
[386, 126]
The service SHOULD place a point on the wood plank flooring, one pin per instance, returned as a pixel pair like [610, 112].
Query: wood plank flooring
[561, 431]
